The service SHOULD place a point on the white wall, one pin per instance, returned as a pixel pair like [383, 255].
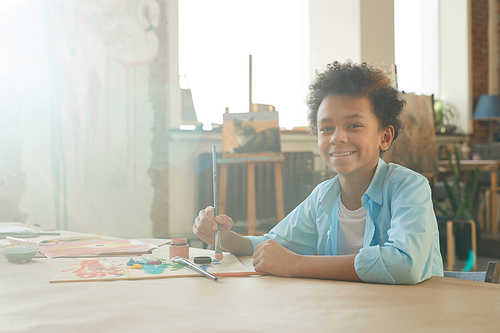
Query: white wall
[377, 31]
[357, 30]
[455, 59]
[104, 114]
[334, 32]
[173, 90]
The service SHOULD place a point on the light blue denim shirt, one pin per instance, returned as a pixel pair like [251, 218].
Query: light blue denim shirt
[401, 243]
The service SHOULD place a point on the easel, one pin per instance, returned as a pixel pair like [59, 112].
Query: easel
[249, 160]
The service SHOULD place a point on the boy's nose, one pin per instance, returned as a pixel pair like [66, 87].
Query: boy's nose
[338, 137]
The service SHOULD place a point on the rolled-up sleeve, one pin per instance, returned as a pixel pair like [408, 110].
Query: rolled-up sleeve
[403, 257]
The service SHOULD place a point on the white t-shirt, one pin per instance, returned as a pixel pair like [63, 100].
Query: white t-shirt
[352, 225]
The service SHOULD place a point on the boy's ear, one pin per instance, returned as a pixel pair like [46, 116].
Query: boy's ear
[387, 137]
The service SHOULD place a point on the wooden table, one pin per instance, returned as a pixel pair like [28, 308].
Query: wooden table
[484, 165]
[239, 304]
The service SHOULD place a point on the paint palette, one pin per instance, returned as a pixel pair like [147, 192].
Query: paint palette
[106, 269]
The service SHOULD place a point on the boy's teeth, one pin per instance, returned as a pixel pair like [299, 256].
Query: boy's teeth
[344, 154]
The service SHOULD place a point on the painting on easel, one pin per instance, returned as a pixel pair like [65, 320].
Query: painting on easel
[251, 133]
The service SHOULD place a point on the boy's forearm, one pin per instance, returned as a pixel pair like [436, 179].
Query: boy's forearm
[237, 244]
[326, 267]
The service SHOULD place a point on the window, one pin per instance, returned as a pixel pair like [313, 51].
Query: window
[416, 37]
[215, 41]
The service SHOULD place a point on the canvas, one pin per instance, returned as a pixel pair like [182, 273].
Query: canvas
[251, 133]
[416, 147]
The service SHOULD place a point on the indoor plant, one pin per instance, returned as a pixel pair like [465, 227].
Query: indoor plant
[445, 117]
[463, 202]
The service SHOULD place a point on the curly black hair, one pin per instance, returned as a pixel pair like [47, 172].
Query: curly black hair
[357, 80]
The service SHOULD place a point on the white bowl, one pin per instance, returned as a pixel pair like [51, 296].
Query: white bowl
[19, 252]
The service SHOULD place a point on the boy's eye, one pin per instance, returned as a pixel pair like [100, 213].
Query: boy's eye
[354, 126]
[325, 129]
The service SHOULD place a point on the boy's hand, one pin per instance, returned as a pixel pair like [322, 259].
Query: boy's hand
[271, 257]
[205, 225]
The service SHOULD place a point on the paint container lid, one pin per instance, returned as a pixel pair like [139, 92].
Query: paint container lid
[179, 241]
[202, 260]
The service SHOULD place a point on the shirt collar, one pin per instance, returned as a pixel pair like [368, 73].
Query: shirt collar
[374, 191]
[328, 198]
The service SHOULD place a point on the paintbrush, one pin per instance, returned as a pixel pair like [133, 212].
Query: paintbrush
[218, 244]
[194, 267]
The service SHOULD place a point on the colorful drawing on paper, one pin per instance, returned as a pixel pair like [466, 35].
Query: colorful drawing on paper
[108, 269]
[95, 248]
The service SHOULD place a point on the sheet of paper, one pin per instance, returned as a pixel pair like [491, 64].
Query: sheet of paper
[105, 269]
[15, 228]
[97, 247]
[155, 241]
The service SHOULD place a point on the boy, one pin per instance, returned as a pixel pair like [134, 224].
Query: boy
[373, 222]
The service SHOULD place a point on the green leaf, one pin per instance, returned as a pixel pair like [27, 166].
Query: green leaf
[439, 207]
[462, 205]
[451, 196]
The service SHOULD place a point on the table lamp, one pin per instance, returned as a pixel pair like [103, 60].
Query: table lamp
[488, 108]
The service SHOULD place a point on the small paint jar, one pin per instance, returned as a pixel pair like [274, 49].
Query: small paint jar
[179, 247]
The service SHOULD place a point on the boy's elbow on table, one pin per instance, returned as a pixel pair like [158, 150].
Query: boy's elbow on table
[410, 276]
[375, 270]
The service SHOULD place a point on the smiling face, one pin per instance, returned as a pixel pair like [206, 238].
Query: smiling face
[350, 137]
